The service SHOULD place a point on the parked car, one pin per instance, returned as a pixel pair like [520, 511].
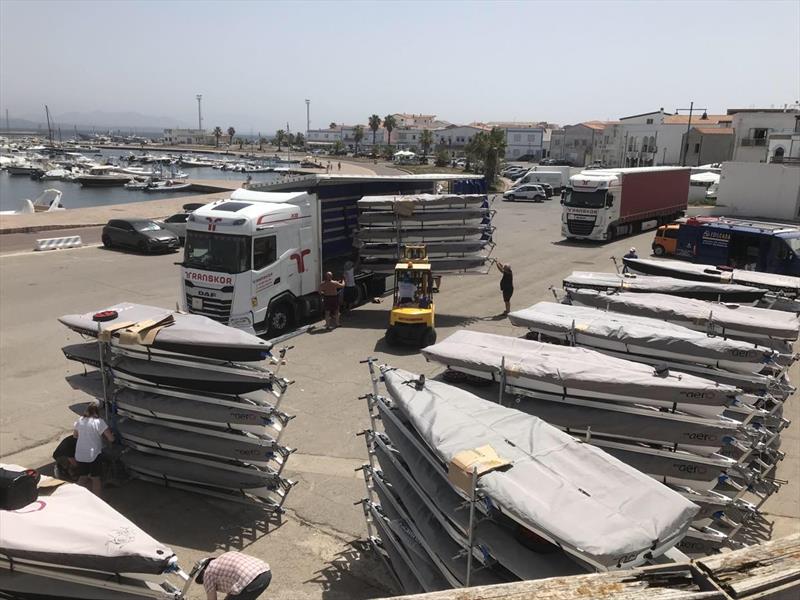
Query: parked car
[526, 192]
[518, 174]
[143, 234]
[176, 224]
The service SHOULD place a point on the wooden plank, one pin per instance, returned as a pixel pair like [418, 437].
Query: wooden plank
[654, 583]
[755, 569]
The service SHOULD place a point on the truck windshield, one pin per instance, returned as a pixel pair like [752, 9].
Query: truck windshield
[217, 252]
[596, 199]
[794, 244]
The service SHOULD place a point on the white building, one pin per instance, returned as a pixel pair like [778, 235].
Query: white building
[456, 137]
[189, 136]
[754, 126]
[524, 140]
[766, 191]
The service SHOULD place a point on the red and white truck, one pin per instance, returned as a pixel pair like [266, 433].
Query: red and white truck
[604, 204]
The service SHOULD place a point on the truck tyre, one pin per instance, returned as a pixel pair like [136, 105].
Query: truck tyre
[428, 337]
[611, 233]
[392, 339]
[658, 250]
[279, 319]
[106, 239]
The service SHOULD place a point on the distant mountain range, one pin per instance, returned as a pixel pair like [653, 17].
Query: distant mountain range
[98, 119]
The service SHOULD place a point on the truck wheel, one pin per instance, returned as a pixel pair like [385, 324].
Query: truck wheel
[658, 250]
[428, 337]
[279, 320]
[391, 337]
[611, 233]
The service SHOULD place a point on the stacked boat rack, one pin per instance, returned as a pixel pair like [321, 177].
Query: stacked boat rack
[456, 230]
[637, 423]
[190, 402]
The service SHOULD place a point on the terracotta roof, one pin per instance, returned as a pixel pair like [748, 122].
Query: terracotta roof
[598, 125]
[714, 130]
[696, 118]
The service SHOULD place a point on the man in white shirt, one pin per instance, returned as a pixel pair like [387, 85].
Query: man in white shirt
[90, 430]
[406, 290]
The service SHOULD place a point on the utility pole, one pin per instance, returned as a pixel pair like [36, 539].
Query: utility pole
[308, 119]
[685, 146]
[199, 112]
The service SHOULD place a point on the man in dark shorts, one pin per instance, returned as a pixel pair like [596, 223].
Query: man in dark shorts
[506, 284]
[66, 467]
[239, 576]
[329, 289]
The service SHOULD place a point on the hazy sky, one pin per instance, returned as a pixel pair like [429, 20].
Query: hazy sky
[256, 62]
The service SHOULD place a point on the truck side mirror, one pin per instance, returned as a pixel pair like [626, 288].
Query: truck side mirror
[609, 200]
[563, 195]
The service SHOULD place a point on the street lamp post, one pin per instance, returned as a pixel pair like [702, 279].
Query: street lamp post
[199, 112]
[308, 119]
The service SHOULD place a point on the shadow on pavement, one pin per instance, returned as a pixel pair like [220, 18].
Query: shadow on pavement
[354, 573]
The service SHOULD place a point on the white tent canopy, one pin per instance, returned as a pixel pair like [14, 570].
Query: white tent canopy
[404, 153]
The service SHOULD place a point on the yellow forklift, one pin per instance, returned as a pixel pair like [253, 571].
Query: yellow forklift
[412, 318]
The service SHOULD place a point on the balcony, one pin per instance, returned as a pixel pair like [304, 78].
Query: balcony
[754, 141]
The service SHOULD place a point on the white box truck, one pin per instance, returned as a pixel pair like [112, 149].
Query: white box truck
[255, 260]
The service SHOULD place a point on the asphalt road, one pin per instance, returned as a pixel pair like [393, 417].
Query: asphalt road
[314, 551]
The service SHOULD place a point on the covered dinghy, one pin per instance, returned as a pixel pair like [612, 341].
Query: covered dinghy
[183, 333]
[568, 370]
[71, 527]
[641, 336]
[409, 204]
[784, 284]
[731, 320]
[602, 512]
[627, 282]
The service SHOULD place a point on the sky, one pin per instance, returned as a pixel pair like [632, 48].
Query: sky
[256, 62]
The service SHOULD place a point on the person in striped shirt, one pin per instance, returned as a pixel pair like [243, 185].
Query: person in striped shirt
[239, 576]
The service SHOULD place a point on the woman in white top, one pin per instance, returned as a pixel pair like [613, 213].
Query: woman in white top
[90, 430]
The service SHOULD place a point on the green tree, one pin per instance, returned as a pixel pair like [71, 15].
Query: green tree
[358, 135]
[217, 134]
[338, 147]
[442, 157]
[231, 133]
[389, 123]
[374, 125]
[290, 140]
[426, 141]
[299, 140]
[387, 152]
[280, 138]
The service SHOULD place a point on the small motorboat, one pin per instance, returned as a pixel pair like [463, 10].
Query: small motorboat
[47, 201]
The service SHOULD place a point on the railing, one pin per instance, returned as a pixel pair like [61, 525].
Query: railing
[754, 141]
[785, 160]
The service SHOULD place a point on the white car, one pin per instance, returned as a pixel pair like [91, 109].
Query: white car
[176, 224]
[535, 193]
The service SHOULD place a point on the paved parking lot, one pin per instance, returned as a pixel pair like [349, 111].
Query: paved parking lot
[314, 551]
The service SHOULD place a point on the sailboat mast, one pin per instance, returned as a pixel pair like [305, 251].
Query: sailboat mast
[49, 128]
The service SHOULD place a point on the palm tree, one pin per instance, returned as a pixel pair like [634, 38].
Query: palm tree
[217, 134]
[332, 125]
[358, 135]
[374, 125]
[231, 133]
[426, 141]
[280, 137]
[389, 123]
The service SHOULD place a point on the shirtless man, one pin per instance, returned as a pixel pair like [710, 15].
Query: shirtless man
[329, 289]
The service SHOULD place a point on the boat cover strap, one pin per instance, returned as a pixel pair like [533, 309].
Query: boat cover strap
[144, 332]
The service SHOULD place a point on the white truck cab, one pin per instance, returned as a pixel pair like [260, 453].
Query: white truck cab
[250, 256]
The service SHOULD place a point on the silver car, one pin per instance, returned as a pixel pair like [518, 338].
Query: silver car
[176, 224]
[531, 192]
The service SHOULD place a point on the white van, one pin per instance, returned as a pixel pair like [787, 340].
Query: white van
[553, 178]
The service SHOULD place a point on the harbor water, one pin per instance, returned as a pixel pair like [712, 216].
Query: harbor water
[14, 189]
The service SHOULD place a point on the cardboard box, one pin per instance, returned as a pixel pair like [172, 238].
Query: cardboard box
[483, 460]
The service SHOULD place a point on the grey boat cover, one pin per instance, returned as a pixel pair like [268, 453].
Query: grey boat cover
[575, 370]
[455, 263]
[606, 418]
[231, 411]
[663, 285]
[596, 507]
[398, 555]
[499, 541]
[418, 202]
[432, 233]
[71, 527]
[232, 445]
[734, 317]
[658, 336]
[386, 217]
[771, 281]
[433, 248]
[181, 470]
[188, 334]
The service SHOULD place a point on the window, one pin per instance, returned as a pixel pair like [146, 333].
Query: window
[531, 138]
[179, 218]
[517, 137]
[264, 252]
[649, 122]
[760, 134]
[671, 233]
[697, 148]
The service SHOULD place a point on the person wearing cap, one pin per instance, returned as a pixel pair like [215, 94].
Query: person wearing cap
[239, 576]
[631, 254]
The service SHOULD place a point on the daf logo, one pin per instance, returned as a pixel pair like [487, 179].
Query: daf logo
[206, 294]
